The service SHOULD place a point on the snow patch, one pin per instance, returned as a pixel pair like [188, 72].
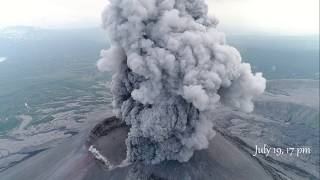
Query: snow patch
[3, 59]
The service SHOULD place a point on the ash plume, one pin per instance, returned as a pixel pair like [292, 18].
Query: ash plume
[171, 66]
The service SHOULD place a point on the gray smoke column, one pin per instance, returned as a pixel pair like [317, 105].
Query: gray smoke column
[171, 66]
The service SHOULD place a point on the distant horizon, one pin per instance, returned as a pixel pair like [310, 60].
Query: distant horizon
[226, 31]
[283, 17]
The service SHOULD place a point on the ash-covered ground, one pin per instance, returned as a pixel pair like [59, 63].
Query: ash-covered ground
[285, 116]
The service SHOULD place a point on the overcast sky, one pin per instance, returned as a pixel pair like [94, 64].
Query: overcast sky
[236, 16]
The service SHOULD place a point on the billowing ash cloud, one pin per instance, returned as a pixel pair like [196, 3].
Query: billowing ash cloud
[171, 66]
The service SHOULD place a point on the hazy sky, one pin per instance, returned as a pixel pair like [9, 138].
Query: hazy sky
[237, 16]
